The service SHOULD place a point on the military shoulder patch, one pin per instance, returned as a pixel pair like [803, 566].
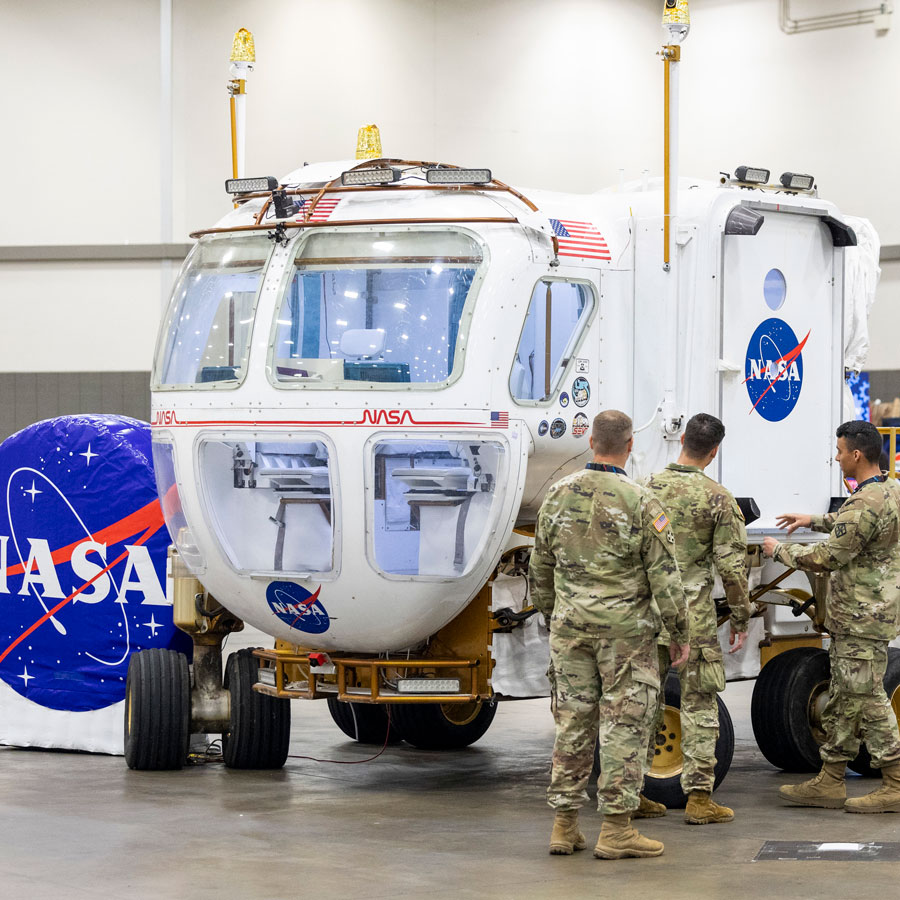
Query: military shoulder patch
[660, 522]
[840, 529]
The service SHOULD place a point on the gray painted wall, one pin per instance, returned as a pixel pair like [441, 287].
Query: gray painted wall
[29, 397]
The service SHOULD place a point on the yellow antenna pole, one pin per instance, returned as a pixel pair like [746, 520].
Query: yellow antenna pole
[243, 56]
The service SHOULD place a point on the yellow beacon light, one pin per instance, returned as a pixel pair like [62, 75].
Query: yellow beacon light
[368, 142]
[242, 48]
[676, 19]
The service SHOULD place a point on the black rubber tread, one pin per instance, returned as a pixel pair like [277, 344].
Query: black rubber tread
[863, 762]
[260, 730]
[366, 723]
[668, 790]
[778, 710]
[157, 710]
[425, 726]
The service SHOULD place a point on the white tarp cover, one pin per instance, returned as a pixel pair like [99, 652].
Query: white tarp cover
[861, 275]
[522, 657]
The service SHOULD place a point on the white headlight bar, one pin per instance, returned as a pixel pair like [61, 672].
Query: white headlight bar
[370, 176]
[458, 176]
[251, 185]
[795, 182]
[750, 175]
[427, 685]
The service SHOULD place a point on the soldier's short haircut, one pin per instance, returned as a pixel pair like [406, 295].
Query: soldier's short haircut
[702, 434]
[862, 436]
[611, 432]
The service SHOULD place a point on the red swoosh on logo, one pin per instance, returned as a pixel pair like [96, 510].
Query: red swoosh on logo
[788, 358]
[307, 603]
[47, 616]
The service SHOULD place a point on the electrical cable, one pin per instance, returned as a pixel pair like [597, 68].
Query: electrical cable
[352, 762]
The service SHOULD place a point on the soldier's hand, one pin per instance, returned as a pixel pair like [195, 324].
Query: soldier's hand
[769, 546]
[736, 640]
[678, 653]
[792, 521]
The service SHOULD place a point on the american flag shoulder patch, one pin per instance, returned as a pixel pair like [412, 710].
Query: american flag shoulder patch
[581, 239]
[499, 420]
[660, 522]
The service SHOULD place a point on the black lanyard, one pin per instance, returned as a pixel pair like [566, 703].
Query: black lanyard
[875, 479]
[604, 467]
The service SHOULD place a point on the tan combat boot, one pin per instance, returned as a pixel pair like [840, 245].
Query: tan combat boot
[619, 839]
[565, 837]
[885, 799]
[649, 809]
[826, 790]
[703, 810]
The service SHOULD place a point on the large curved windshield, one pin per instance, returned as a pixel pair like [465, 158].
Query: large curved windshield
[205, 338]
[376, 307]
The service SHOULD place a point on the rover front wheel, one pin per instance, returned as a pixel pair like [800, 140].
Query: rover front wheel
[157, 710]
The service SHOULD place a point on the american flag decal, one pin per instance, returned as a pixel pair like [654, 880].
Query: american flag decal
[580, 239]
[499, 420]
[660, 522]
[324, 208]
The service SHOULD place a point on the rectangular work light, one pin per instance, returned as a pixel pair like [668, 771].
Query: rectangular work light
[751, 175]
[458, 176]
[370, 176]
[428, 685]
[250, 185]
[794, 182]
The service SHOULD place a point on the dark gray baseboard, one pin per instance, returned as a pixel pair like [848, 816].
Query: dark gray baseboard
[29, 397]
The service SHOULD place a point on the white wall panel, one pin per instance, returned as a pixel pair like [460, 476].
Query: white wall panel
[79, 317]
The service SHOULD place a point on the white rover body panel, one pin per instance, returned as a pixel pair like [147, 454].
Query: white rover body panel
[351, 419]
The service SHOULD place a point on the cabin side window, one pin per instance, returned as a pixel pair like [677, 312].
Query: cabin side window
[205, 341]
[375, 308]
[557, 315]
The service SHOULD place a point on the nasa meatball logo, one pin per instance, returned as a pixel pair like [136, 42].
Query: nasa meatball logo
[297, 607]
[774, 369]
[82, 560]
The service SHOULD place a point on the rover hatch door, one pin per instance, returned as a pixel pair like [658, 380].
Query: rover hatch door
[781, 365]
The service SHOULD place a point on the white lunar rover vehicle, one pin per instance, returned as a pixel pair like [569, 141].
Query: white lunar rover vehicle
[367, 378]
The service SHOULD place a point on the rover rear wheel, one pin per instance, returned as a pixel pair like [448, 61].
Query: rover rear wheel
[663, 782]
[364, 722]
[157, 710]
[260, 726]
[443, 726]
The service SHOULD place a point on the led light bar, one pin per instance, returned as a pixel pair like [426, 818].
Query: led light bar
[250, 185]
[370, 176]
[795, 182]
[458, 176]
[752, 176]
[266, 676]
[428, 685]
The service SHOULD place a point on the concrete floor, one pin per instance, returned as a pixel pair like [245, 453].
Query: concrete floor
[409, 824]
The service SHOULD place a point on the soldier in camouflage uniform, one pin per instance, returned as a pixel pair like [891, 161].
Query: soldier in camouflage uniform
[709, 532]
[603, 550]
[863, 554]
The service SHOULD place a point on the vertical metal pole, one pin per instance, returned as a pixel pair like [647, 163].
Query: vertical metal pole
[548, 334]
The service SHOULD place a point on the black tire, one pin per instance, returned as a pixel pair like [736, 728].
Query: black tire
[366, 723]
[788, 700]
[443, 726]
[260, 730]
[663, 781]
[863, 763]
[788, 697]
[157, 710]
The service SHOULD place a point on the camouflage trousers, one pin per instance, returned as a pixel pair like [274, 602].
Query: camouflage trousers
[607, 688]
[858, 708]
[701, 677]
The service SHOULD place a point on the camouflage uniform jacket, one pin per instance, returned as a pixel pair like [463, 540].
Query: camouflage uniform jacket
[603, 550]
[863, 554]
[709, 532]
